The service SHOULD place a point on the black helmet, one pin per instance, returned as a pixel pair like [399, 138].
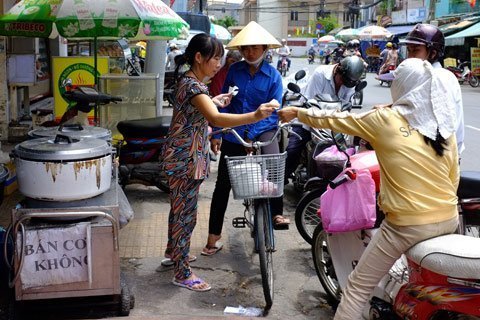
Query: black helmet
[351, 70]
[350, 45]
[428, 35]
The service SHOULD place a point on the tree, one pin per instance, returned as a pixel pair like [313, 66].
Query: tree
[329, 23]
[227, 22]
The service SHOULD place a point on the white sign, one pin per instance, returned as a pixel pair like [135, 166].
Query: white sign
[416, 15]
[56, 256]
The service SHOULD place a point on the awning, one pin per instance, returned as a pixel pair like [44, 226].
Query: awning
[458, 39]
[400, 30]
[451, 28]
[469, 32]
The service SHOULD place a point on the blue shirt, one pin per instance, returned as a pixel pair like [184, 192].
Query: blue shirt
[263, 86]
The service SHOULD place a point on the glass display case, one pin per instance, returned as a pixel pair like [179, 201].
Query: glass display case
[118, 52]
[140, 98]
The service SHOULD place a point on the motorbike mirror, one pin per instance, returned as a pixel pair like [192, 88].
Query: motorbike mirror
[293, 87]
[300, 75]
[360, 86]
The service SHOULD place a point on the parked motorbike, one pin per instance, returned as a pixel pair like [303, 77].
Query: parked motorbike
[312, 177]
[413, 277]
[140, 150]
[464, 74]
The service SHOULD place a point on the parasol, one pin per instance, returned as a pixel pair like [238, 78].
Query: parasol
[220, 32]
[347, 34]
[325, 39]
[374, 33]
[93, 19]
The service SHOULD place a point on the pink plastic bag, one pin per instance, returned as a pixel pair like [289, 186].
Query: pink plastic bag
[333, 154]
[350, 206]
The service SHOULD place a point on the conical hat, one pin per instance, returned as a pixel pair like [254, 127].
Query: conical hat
[253, 34]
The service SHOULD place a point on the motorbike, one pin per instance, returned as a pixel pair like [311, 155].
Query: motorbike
[138, 153]
[140, 150]
[311, 58]
[464, 74]
[414, 288]
[311, 177]
[269, 56]
[283, 65]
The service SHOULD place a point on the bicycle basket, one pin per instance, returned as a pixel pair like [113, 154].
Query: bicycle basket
[257, 176]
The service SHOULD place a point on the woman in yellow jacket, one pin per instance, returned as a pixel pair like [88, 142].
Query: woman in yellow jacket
[415, 144]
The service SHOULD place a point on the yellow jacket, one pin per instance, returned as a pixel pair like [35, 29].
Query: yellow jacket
[416, 186]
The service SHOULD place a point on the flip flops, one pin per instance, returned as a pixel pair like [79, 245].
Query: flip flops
[210, 251]
[191, 284]
[280, 222]
[167, 262]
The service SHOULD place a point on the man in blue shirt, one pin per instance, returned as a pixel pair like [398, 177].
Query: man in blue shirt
[258, 82]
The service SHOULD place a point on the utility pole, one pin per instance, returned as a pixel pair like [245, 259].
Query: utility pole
[431, 11]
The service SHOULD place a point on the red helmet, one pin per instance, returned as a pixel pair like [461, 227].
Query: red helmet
[428, 35]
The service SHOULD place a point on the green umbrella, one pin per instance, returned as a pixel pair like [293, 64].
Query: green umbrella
[93, 19]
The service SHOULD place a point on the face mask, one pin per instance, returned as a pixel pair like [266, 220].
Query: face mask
[257, 62]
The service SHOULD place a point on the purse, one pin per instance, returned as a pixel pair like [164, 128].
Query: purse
[351, 205]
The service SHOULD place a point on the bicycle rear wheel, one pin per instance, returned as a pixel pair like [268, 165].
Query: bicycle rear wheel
[265, 245]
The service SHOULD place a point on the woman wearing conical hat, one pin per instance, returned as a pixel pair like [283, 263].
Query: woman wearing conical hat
[258, 82]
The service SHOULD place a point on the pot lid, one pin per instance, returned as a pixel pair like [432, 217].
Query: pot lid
[73, 130]
[62, 148]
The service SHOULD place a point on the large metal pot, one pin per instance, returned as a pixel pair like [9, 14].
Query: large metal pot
[63, 168]
[76, 131]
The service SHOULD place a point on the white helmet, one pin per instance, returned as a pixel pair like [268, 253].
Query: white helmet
[283, 40]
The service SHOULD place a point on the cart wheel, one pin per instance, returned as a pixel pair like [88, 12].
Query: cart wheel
[127, 300]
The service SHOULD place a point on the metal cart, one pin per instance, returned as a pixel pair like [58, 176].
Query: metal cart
[53, 260]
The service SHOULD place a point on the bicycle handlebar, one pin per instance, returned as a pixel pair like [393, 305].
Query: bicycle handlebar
[259, 144]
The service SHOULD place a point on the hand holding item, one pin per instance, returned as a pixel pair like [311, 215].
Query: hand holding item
[222, 100]
[266, 109]
[287, 114]
[215, 145]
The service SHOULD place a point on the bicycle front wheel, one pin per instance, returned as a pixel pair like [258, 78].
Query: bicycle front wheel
[265, 246]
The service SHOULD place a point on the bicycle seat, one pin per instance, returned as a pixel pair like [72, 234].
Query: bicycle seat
[145, 128]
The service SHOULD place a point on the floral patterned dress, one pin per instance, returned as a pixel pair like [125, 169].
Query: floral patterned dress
[186, 148]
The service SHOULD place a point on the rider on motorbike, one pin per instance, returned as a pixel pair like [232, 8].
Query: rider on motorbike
[311, 54]
[414, 142]
[336, 80]
[283, 51]
[427, 42]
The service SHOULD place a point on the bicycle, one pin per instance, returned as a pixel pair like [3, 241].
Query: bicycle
[255, 179]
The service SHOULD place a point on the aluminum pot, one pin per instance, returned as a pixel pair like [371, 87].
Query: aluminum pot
[63, 168]
[76, 131]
